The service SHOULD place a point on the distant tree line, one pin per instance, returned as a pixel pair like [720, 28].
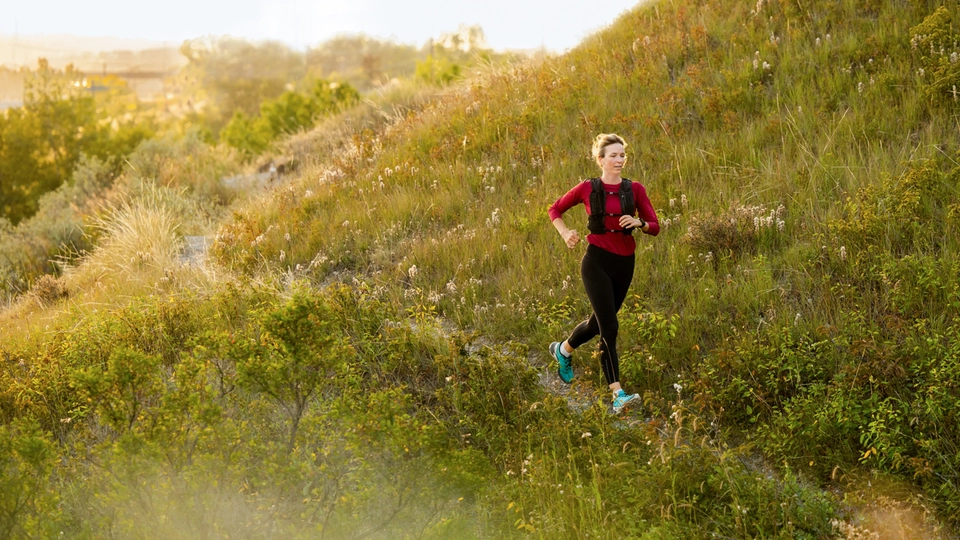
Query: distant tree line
[243, 94]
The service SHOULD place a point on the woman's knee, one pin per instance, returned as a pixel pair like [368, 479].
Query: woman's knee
[610, 329]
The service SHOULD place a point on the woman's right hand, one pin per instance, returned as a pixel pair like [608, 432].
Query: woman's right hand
[571, 238]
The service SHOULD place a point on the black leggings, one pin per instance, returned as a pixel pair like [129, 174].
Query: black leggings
[606, 278]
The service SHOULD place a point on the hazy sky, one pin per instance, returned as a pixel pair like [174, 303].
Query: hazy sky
[508, 24]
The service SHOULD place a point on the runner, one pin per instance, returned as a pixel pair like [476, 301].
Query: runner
[612, 205]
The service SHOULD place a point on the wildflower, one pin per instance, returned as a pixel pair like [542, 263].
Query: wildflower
[308, 194]
[646, 40]
[451, 286]
[818, 42]
[283, 255]
[673, 202]
[953, 57]
[843, 253]
[412, 271]
[781, 224]
[796, 320]
[346, 223]
[859, 87]
[683, 201]
[586, 435]
[677, 387]
[434, 298]
[494, 217]
[766, 65]
[286, 237]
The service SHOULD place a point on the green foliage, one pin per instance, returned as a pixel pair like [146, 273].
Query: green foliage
[288, 114]
[27, 460]
[438, 71]
[122, 391]
[390, 379]
[42, 142]
[236, 75]
[935, 43]
[298, 349]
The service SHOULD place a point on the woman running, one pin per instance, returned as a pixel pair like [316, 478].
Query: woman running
[607, 267]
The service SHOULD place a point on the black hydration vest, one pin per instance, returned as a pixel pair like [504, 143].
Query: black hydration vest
[598, 206]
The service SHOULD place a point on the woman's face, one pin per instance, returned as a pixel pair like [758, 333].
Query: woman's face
[613, 159]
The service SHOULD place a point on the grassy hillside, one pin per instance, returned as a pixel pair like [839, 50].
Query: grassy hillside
[361, 359]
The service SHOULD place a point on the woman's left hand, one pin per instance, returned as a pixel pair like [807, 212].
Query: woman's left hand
[630, 222]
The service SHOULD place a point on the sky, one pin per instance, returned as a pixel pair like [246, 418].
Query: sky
[556, 25]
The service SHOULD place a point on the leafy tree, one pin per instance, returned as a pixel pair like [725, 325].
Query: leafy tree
[300, 349]
[289, 113]
[236, 75]
[28, 509]
[362, 61]
[41, 142]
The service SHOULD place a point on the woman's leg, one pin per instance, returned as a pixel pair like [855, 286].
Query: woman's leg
[606, 279]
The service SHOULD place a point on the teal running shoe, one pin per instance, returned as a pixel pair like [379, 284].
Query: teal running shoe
[621, 399]
[565, 369]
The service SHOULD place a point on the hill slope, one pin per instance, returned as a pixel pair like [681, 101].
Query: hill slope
[798, 311]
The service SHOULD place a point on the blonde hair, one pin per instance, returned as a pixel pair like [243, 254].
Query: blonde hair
[604, 140]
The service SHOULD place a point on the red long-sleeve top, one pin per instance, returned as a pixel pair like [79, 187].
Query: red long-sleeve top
[614, 242]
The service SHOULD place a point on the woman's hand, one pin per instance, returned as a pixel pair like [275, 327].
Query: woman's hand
[630, 222]
[571, 238]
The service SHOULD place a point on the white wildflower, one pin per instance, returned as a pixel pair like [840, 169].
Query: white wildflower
[683, 201]
[412, 271]
[677, 387]
[586, 435]
[843, 253]
[346, 223]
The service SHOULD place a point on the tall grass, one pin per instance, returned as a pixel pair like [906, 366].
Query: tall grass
[793, 324]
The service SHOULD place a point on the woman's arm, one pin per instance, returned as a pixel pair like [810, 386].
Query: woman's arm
[570, 236]
[645, 211]
[573, 197]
